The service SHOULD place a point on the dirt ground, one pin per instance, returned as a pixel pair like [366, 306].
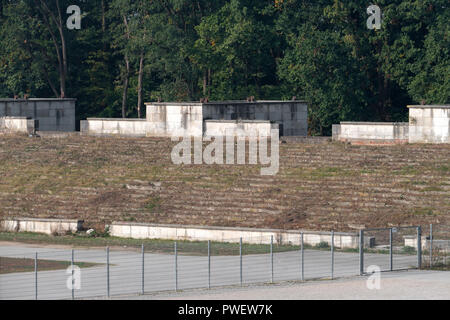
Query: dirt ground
[13, 265]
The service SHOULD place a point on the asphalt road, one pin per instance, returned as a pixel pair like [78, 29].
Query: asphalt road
[126, 277]
[397, 285]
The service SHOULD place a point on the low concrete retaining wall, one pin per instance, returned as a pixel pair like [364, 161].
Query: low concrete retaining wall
[47, 226]
[111, 127]
[371, 132]
[18, 125]
[411, 241]
[245, 128]
[142, 128]
[231, 235]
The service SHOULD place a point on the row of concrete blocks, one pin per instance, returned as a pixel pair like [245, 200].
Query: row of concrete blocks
[371, 131]
[173, 117]
[395, 133]
[46, 226]
[142, 128]
[186, 233]
[196, 233]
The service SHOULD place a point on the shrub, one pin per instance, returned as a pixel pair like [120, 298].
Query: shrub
[322, 245]
[409, 249]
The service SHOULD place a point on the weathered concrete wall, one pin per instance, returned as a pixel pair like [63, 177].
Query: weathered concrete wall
[52, 114]
[292, 116]
[231, 235]
[371, 132]
[174, 119]
[429, 124]
[246, 128]
[18, 125]
[110, 126]
[411, 241]
[47, 226]
[177, 119]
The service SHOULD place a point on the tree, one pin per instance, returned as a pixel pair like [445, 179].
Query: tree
[237, 47]
[348, 72]
[51, 16]
[431, 81]
[321, 50]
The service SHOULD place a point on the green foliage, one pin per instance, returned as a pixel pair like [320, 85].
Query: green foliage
[153, 204]
[408, 250]
[318, 50]
[322, 245]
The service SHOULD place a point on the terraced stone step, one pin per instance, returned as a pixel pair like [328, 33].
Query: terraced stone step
[323, 186]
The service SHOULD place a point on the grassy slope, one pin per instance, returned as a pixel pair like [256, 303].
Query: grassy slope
[319, 187]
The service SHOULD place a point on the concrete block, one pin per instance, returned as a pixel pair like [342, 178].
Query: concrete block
[429, 124]
[47, 226]
[230, 235]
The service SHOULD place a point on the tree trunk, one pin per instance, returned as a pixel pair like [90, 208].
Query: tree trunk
[141, 74]
[50, 83]
[103, 16]
[127, 72]
[61, 54]
[209, 82]
[125, 86]
[63, 50]
[205, 83]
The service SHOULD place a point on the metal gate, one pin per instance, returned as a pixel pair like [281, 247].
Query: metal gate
[389, 249]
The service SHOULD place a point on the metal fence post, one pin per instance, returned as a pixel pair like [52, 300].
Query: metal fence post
[176, 266]
[332, 255]
[107, 272]
[431, 246]
[36, 276]
[209, 264]
[73, 280]
[271, 258]
[302, 253]
[390, 250]
[143, 270]
[240, 260]
[361, 252]
[419, 247]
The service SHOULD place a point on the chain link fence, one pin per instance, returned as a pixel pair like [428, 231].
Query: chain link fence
[391, 248]
[183, 265]
[436, 247]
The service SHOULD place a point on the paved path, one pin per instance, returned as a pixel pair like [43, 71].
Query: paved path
[159, 275]
[401, 285]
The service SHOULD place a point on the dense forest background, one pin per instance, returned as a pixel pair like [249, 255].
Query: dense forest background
[128, 52]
